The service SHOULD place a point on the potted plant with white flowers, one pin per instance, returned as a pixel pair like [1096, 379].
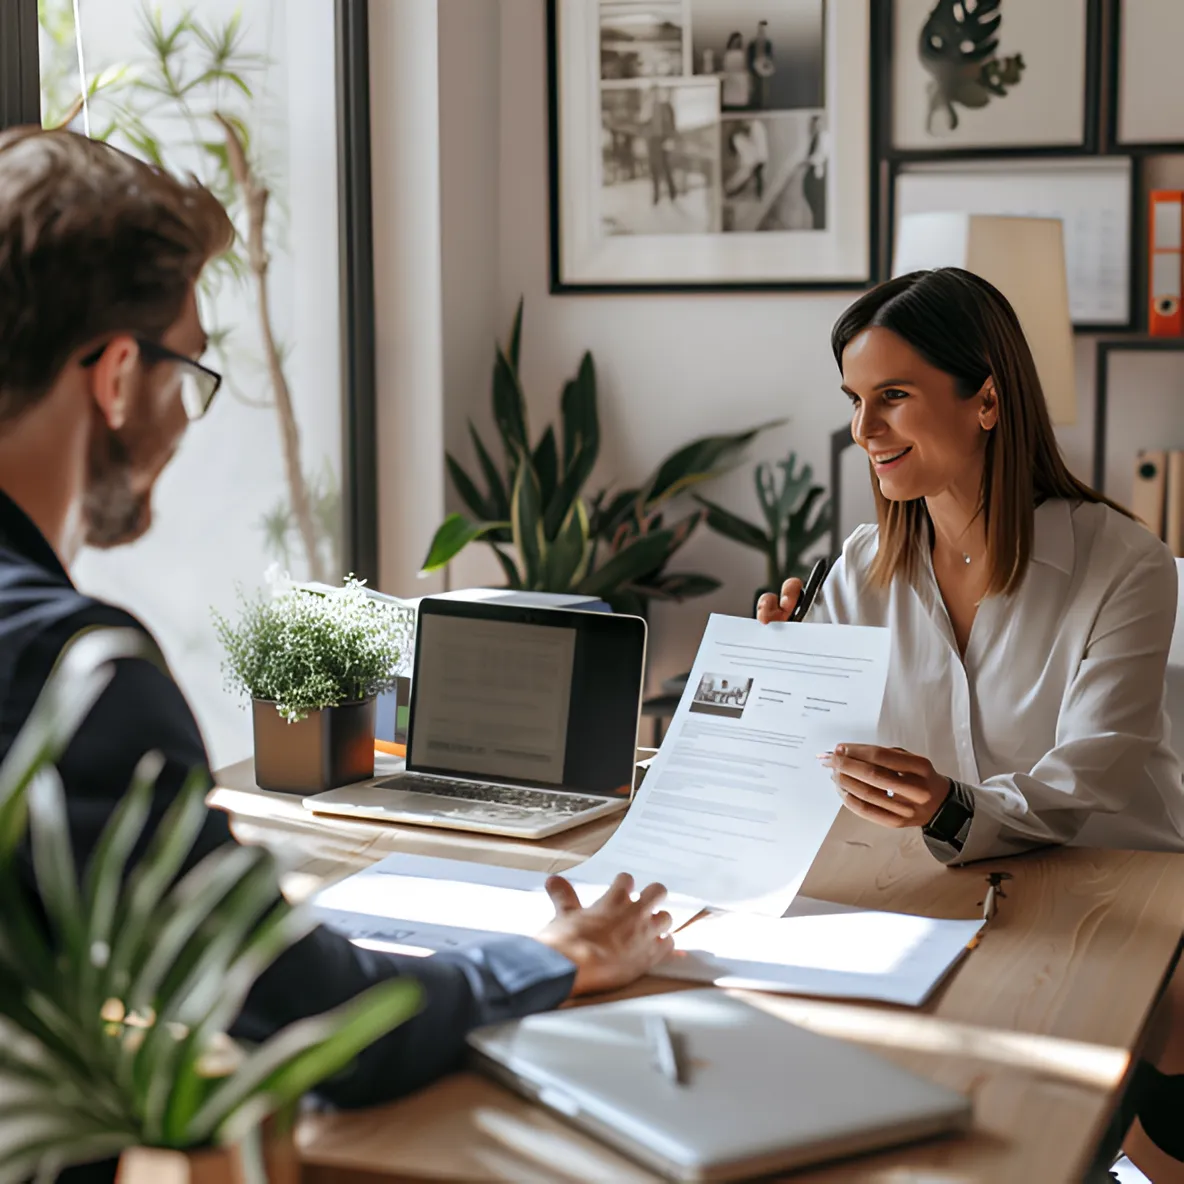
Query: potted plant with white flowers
[313, 659]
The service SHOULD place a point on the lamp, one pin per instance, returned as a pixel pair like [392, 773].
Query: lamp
[1025, 259]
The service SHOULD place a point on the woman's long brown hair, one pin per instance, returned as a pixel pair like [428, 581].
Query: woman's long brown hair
[965, 327]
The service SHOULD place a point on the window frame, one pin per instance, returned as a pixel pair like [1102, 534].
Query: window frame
[20, 103]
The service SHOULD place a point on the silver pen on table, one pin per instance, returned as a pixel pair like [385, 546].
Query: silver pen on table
[661, 1047]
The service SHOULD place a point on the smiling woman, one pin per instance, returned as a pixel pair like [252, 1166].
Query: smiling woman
[1031, 618]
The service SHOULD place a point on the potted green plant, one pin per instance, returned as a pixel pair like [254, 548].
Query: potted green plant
[312, 663]
[797, 516]
[118, 986]
[547, 532]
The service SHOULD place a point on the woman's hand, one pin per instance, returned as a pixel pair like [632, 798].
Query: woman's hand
[887, 785]
[768, 609]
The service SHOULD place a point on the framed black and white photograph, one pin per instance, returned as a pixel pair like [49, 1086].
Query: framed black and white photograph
[710, 144]
[1092, 196]
[974, 76]
[1146, 44]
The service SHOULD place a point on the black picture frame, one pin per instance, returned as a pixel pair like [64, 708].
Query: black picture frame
[1113, 88]
[20, 103]
[561, 287]
[884, 53]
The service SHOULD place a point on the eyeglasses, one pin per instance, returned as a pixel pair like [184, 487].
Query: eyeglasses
[199, 384]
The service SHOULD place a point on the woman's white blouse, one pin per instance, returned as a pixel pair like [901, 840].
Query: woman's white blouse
[1055, 719]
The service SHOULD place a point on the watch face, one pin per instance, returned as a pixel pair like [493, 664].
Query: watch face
[949, 820]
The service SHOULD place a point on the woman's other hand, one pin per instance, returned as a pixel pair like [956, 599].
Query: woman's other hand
[768, 608]
[886, 785]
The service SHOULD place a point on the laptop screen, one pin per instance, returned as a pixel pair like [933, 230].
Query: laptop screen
[528, 696]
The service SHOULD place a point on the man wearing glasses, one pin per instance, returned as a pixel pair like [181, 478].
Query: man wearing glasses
[100, 377]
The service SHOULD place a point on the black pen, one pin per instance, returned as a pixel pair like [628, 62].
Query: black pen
[810, 591]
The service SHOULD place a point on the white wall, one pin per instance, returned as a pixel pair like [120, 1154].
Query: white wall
[670, 367]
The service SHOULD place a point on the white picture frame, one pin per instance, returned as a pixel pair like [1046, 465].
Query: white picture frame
[1148, 58]
[1092, 196]
[801, 220]
[1038, 89]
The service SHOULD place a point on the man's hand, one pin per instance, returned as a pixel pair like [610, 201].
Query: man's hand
[769, 608]
[613, 941]
[886, 785]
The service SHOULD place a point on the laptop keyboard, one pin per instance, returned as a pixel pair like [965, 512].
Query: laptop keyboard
[539, 800]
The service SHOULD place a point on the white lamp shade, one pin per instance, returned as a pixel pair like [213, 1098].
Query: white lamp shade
[1025, 259]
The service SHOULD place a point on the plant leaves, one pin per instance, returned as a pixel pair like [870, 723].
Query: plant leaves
[509, 411]
[515, 346]
[581, 423]
[468, 492]
[546, 466]
[638, 558]
[734, 527]
[567, 554]
[307, 1052]
[53, 865]
[513, 577]
[526, 522]
[683, 585]
[455, 533]
[104, 878]
[697, 461]
[498, 496]
[80, 675]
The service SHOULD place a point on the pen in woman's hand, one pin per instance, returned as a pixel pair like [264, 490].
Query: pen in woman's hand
[810, 592]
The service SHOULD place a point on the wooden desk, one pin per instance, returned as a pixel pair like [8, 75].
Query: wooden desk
[1038, 1024]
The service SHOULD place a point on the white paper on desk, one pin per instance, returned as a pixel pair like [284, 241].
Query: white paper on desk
[422, 902]
[825, 949]
[735, 805]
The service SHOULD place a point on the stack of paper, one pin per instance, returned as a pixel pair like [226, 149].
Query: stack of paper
[731, 815]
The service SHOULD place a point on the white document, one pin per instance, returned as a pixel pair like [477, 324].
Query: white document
[735, 805]
[421, 903]
[823, 949]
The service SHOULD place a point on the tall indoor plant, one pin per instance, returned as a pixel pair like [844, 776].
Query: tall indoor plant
[797, 517]
[313, 663]
[546, 530]
[118, 986]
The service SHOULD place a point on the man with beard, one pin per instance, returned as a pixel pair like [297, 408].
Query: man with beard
[99, 379]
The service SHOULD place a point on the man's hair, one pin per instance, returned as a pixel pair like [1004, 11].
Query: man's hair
[92, 242]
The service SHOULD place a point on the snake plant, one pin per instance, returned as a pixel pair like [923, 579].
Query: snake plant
[117, 986]
[547, 532]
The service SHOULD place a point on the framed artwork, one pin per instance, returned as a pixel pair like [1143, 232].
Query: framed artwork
[1093, 197]
[710, 144]
[997, 76]
[1145, 61]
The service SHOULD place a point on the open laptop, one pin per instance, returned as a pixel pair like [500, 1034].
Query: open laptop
[523, 722]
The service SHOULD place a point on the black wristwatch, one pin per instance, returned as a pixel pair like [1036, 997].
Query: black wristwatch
[951, 824]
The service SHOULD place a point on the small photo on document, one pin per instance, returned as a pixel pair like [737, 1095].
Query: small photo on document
[722, 694]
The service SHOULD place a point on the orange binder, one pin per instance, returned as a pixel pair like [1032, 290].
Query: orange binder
[1165, 310]
[1147, 501]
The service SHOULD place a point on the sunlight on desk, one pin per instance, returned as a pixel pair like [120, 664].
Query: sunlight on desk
[1073, 1061]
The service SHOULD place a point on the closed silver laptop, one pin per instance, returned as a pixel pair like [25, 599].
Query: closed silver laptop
[758, 1095]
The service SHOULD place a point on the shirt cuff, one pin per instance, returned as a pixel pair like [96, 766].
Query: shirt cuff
[512, 977]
